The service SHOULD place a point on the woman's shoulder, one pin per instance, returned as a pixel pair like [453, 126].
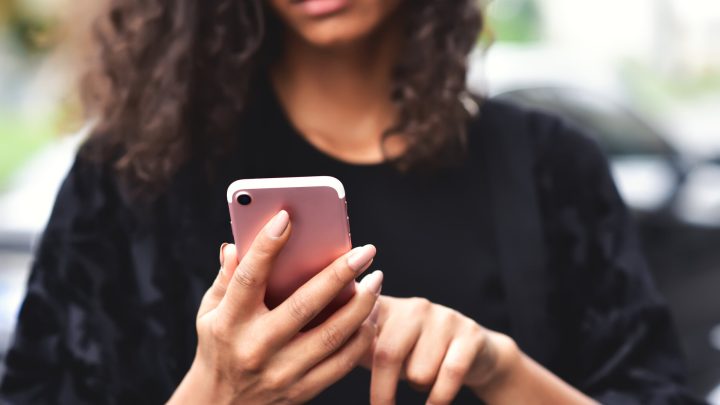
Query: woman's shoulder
[90, 192]
[89, 173]
[558, 149]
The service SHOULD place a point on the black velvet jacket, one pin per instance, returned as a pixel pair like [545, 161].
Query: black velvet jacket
[111, 301]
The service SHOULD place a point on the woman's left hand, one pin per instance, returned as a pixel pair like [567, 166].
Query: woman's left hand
[435, 349]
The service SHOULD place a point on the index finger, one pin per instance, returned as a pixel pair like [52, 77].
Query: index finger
[396, 340]
[288, 318]
[246, 286]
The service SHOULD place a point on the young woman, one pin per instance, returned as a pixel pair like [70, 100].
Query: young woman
[125, 305]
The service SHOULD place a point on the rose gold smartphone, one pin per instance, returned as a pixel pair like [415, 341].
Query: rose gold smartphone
[320, 230]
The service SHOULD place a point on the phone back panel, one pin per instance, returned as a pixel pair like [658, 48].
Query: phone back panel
[319, 229]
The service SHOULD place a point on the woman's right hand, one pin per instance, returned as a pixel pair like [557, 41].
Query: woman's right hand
[252, 355]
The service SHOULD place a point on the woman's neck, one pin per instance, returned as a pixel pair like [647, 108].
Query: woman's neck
[339, 98]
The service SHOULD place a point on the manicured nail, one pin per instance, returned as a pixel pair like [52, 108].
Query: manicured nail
[360, 257]
[222, 255]
[278, 224]
[373, 282]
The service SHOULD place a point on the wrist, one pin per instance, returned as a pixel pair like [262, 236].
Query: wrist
[201, 385]
[504, 358]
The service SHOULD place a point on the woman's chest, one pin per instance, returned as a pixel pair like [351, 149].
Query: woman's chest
[433, 234]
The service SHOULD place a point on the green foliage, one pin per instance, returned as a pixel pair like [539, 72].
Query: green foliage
[19, 139]
[515, 20]
[33, 28]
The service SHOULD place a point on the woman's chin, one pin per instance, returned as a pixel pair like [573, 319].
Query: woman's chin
[332, 35]
[334, 23]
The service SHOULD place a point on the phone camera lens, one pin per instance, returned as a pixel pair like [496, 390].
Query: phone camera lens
[244, 199]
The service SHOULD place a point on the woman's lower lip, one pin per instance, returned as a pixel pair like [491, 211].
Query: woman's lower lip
[319, 8]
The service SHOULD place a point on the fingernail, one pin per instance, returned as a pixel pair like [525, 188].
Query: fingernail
[278, 224]
[222, 255]
[373, 282]
[361, 256]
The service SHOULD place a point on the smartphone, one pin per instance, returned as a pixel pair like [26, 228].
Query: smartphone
[320, 230]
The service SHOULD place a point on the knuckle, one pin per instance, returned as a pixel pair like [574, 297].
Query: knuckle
[220, 331]
[245, 276]
[387, 356]
[454, 316]
[331, 337]
[265, 249]
[419, 305]
[455, 372]
[300, 308]
[251, 360]
[509, 344]
[276, 380]
[421, 376]
[347, 366]
[337, 274]
[446, 320]
[477, 337]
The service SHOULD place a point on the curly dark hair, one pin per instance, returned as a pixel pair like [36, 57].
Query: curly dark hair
[172, 78]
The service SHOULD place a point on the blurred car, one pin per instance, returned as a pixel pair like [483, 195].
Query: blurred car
[677, 204]
[647, 169]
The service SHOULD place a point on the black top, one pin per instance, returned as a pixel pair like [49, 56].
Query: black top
[112, 298]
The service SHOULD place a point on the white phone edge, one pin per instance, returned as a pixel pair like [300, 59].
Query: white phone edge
[285, 182]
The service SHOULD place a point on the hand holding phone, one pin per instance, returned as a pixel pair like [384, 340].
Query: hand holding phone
[319, 232]
[248, 353]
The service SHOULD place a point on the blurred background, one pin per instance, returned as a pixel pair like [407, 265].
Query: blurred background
[642, 77]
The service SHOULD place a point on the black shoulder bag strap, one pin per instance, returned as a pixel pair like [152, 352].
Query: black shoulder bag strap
[505, 159]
